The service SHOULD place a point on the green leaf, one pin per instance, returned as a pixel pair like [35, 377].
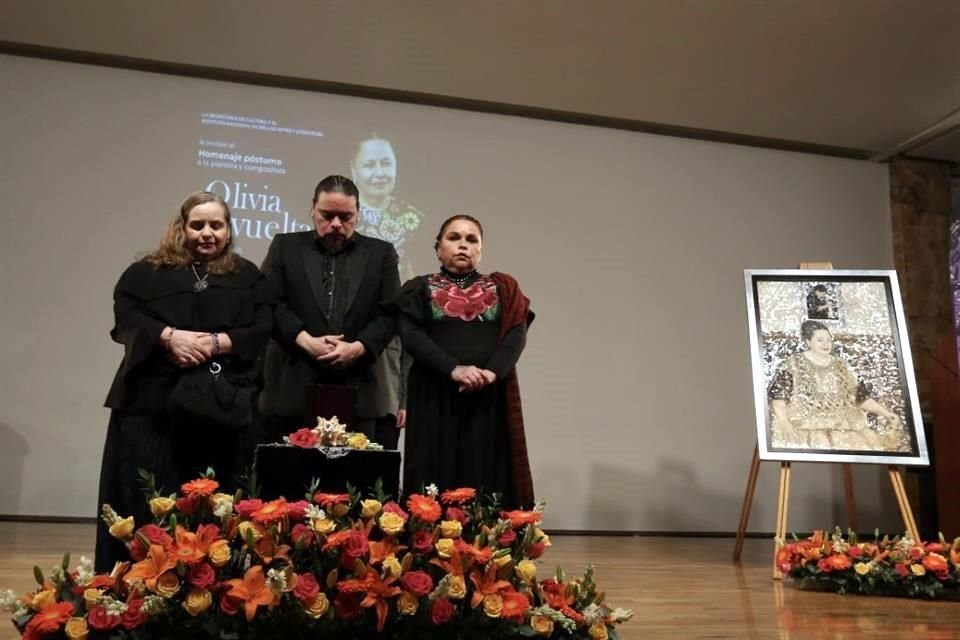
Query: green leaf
[65, 564]
[38, 575]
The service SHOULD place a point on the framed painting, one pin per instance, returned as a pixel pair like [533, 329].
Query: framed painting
[833, 377]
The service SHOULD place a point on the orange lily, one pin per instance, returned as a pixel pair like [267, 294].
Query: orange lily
[378, 590]
[150, 569]
[184, 548]
[383, 548]
[252, 590]
[486, 585]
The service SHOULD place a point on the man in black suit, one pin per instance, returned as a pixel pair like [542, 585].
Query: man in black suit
[330, 285]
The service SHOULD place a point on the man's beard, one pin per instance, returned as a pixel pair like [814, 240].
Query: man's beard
[333, 241]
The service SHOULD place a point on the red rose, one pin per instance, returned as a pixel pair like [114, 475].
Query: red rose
[154, 535]
[355, 547]
[455, 513]
[307, 589]
[297, 510]
[99, 619]
[229, 605]
[441, 611]
[854, 552]
[202, 576]
[422, 541]
[393, 507]
[536, 550]
[934, 547]
[347, 605]
[245, 508]
[901, 569]
[419, 583]
[304, 438]
[301, 532]
[133, 617]
[916, 553]
[187, 505]
[507, 538]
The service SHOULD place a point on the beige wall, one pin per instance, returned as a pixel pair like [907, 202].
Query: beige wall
[636, 378]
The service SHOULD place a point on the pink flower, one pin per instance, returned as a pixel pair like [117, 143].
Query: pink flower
[441, 611]
[202, 576]
[418, 583]
[246, 507]
[307, 589]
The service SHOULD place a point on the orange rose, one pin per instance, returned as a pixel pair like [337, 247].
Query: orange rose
[936, 563]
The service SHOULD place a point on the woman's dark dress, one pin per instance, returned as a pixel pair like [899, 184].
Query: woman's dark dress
[142, 433]
[456, 439]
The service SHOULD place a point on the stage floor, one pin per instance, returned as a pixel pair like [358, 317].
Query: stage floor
[678, 587]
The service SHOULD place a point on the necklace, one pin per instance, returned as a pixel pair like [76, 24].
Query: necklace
[201, 283]
[459, 279]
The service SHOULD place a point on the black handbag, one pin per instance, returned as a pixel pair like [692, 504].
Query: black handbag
[204, 393]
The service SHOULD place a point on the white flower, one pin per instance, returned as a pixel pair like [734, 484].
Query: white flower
[277, 581]
[540, 506]
[57, 575]
[153, 605]
[619, 615]
[223, 508]
[592, 613]
[432, 490]
[316, 513]
[84, 571]
[113, 607]
[8, 600]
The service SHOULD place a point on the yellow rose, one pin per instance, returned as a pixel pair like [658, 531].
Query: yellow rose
[323, 525]
[43, 599]
[918, 569]
[198, 601]
[161, 506]
[391, 566]
[445, 548]
[451, 529]
[76, 629]
[542, 625]
[318, 607]
[122, 529]
[340, 510]
[502, 561]
[219, 553]
[358, 441]
[862, 568]
[218, 499]
[391, 523]
[458, 588]
[91, 597]
[407, 604]
[493, 606]
[251, 527]
[598, 631]
[168, 585]
[526, 570]
[540, 536]
[370, 508]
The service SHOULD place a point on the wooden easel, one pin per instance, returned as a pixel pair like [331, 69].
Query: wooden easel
[783, 498]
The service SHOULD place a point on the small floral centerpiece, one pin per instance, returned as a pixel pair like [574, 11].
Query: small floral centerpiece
[897, 566]
[329, 433]
[332, 565]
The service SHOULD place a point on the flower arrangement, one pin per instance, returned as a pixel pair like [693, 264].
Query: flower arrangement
[211, 565]
[896, 566]
[329, 433]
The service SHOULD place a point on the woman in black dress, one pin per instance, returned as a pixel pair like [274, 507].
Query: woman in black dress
[190, 307]
[465, 331]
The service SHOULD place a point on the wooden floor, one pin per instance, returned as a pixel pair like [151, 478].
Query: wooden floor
[678, 587]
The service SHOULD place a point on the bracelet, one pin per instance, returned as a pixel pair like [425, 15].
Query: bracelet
[216, 343]
[166, 340]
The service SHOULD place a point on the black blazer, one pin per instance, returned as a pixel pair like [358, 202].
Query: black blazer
[293, 271]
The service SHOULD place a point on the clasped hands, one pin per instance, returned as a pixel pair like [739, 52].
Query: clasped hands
[190, 348]
[331, 349]
[471, 378]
